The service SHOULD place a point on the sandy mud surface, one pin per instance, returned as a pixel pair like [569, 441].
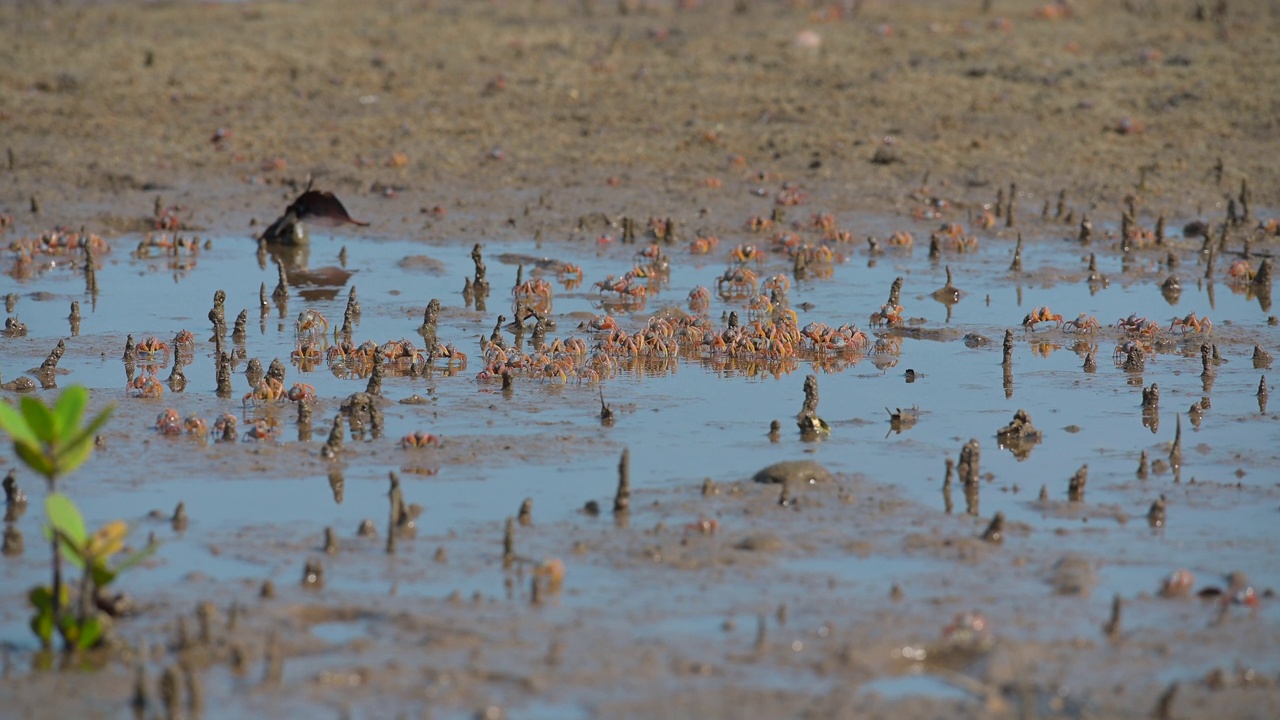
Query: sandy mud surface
[849, 583]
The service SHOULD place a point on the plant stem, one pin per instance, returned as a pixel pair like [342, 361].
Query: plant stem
[57, 567]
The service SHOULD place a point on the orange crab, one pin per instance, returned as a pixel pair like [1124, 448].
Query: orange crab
[902, 238]
[736, 282]
[1240, 272]
[1192, 323]
[196, 426]
[703, 244]
[151, 347]
[259, 431]
[168, 422]
[887, 315]
[1039, 315]
[1134, 325]
[301, 392]
[745, 253]
[451, 355]
[311, 324]
[699, 300]
[1082, 324]
[267, 390]
[147, 386]
[419, 439]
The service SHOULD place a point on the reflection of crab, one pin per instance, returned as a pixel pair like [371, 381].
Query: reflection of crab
[168, 422]
[570, 275]
[1039, 315]
[146, 386]
[267, 390]
[306, 351]
[419, 439]
[887, 315]
[302, 392]
[1083, 324]
[1192, 323]
[736, 282]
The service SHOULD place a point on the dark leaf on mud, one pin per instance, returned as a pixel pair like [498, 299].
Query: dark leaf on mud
[322, 208]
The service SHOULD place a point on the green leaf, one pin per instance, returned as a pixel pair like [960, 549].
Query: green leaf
[102, 575]
[65, 517]
[90, 633]
[16, 425]
[76, 450]
[68, 526]
[42, 626]
[69, 410]
[72, 552]
[35, 458]
[40, 419]
[41, 597]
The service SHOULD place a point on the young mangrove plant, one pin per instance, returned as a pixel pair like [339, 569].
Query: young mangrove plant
[53, 442]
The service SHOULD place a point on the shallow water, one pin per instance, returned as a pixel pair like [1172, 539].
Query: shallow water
[257, 511]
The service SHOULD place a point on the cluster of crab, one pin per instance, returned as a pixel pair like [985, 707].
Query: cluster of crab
[270, 390]
[400, 356]
[224, 428]
[952, 237]
[558, 361]
[166, 245]
[632, 287]
[170, 423]
[1083, 323]
[34, 255]
[59, 242]
[825, 223]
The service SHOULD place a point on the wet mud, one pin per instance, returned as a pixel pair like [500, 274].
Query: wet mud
[688, 363]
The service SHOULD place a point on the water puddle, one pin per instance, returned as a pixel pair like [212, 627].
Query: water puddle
[257, 510]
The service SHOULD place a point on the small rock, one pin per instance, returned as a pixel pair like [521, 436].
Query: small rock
[790, 472]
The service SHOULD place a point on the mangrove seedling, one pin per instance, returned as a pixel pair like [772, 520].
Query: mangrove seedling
[53, 441]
